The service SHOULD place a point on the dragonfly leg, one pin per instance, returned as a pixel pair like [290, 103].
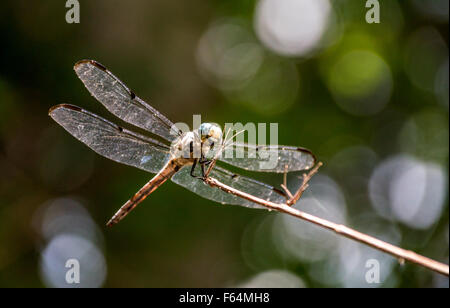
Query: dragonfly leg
[203, 170]
[193, 171]
[306, 177]
[284, 185]
[204, 162]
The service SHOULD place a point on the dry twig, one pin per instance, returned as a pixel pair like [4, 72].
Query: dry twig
[401, 254]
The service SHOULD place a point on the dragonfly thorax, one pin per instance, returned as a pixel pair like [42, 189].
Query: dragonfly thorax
[198, 143]
[186, 146]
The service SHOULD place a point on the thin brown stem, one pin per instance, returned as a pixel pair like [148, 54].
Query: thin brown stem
[400, 253]
[306, 177]
[284, 185]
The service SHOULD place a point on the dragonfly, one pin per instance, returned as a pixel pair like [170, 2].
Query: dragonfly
[169, 153]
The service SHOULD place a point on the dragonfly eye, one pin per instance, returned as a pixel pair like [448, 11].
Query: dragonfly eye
[203, 130]
[211, 132]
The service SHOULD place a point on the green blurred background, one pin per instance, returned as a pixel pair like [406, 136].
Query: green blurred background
[370, 100]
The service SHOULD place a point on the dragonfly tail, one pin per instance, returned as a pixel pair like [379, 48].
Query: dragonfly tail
[166, 173]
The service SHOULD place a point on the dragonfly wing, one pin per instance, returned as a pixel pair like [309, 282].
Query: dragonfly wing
[111, 140]
[121, 101]
[268, 158]
[234, 180]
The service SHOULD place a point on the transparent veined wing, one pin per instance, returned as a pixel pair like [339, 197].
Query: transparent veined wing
[111, 140]
[232, 179]
[268, 158]
[121, 101]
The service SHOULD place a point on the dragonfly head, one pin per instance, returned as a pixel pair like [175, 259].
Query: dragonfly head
[210, 134]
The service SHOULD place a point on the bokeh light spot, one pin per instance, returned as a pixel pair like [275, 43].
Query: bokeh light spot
[441, 84]
[435, 9]
[228, 55]
[272, 90]
[291, 27]
[425, 135]
[425, 52]
[303, 241]
[273, 279]
[67, 231]
[409, 190]
[346, 264]
[67, 246]
[361, 82]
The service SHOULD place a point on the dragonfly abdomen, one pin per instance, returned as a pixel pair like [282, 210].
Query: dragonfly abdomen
[166, 173]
